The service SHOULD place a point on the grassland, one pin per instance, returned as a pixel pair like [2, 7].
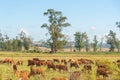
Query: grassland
[6, 71]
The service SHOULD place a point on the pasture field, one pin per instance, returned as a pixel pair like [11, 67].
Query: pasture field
[7, 73]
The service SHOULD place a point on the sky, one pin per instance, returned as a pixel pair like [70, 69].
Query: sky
[95, 17]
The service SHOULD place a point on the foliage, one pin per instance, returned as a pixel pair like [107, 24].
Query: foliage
[80, 40]
[56, 23]
[113, 41]
[26, 41]
[95, 43]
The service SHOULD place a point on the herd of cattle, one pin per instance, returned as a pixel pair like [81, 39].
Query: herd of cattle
[62, 65]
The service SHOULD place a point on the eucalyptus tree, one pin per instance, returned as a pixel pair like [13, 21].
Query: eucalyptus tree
[95, 42]
[56, 23]
[118, 24]
[79, 40]
[101, 43]
[87, 44]
[111, 40]
[25, 40]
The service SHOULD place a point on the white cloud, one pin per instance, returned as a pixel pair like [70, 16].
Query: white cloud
[93, 28]
[26, 32]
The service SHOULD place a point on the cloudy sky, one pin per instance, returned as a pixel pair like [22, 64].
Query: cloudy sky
[95, 17]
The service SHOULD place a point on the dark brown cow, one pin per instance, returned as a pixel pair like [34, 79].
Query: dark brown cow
[51, 66]
[15, 67]
[118, 63]
[64, 61]
[87, 67]
[36, 59]
[56, 60]
[102, 71]
[31, 62]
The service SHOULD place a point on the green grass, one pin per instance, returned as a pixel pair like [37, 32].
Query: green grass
[106, 58]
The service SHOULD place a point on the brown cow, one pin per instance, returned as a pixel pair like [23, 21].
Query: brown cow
[87, 67]
[19, 62]
[51, 66]
[16, 72]
[102, 71]
[74, 64]
[34, 71]
[56, 60]
[62, 67]
[64, 61]
[36, 59]
[23, 75]
[31, 62]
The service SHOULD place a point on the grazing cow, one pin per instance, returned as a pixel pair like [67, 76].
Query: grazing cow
[56, 78]
[51, 66]
[87, 67]
[31, 62]
[36, 59]
[64, 61]
[102, 71]
[75, 75]
[118, 63]
[42, 62]
[8, 61]
[62, 67]
[56, 60]
[15, 67]
[16, 72]
[34, 71]
[86, 61]
[20, 62]
[49, 62]
[23, 75]
[74, 64]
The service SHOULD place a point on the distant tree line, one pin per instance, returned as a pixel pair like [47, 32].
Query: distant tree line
[82, 41]
[57, 40]
[21, 42]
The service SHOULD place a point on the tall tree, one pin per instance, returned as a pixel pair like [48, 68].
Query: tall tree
[111, 38]
[118, 24]
[55, 26]
[101, 43]
[25, 40]
[95, 43]
[87, 45]
[79, 40]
